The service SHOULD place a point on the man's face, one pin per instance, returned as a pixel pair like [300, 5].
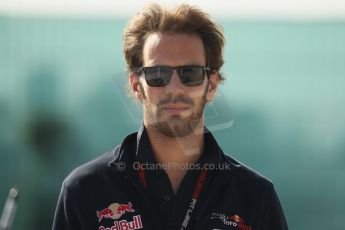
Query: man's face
[174, 110]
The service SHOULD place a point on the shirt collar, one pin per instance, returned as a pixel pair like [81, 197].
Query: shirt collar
[212, 153]
[144, 152]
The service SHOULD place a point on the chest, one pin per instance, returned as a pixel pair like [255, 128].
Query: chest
[209, 213]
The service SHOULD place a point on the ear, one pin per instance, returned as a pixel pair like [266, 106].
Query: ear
[212, 86]
[134, 82]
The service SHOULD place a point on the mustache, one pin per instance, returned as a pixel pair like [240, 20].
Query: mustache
[175, 100]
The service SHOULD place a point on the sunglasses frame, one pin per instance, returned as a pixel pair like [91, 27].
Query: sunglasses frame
[206, 70]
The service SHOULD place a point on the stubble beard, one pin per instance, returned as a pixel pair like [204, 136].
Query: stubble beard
[176, 125]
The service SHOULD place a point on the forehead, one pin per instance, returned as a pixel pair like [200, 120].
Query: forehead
[173, 49]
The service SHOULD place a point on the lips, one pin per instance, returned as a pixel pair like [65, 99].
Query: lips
[175, 108]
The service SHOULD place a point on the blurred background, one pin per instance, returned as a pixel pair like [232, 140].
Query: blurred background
[281, 110]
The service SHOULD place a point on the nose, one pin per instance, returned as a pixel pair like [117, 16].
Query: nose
[175, 87]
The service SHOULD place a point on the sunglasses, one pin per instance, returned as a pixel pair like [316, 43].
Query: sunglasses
[190, 75]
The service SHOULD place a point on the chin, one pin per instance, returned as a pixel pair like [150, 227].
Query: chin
[177, 126]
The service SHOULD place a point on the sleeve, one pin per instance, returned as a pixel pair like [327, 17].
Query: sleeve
[274, 218]
[65, 214]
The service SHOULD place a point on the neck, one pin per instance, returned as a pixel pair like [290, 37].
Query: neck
[186, 149]
[176, 151]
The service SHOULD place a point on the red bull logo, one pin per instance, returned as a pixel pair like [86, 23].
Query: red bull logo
[114, 211]
[125, 225]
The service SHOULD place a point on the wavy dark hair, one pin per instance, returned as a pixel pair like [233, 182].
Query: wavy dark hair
[182, 19]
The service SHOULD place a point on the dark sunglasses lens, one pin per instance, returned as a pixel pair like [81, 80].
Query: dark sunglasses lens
[157, 76]
[192, 75]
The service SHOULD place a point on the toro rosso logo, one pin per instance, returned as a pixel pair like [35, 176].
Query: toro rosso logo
[240, 222]
[234, 221]
[114, 211]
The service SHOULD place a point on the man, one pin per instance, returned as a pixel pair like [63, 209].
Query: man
[171, 174]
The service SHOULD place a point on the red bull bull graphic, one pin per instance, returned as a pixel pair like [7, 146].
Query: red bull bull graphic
[114, 211]
[125, 225]
[125, 208]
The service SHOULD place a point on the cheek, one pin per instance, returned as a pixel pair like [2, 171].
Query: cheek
[199, 93]
[152, 95]
[147, 93]
[194, 95]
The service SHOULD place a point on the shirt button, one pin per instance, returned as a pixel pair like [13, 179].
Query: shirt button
[166, 198]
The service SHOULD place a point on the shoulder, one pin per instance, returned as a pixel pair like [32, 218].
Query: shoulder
[246, 177]
[101, 169]
[92, 171]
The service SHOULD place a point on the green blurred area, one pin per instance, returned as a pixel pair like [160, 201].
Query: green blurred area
[281, 110]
